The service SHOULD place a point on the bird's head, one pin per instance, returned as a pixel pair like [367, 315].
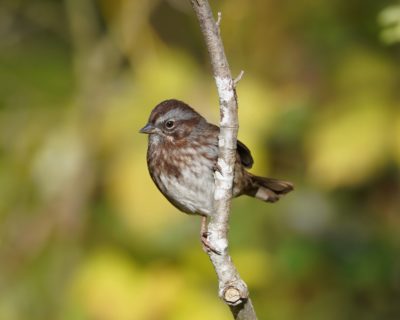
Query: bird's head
[172, 120]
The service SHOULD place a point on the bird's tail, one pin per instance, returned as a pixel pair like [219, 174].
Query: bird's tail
[267, 189]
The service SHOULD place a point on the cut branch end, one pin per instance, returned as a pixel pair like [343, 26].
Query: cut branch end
[232, 296]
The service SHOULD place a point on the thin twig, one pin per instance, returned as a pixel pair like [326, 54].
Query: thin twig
[238, 78]
[218, 23]
[232, 288]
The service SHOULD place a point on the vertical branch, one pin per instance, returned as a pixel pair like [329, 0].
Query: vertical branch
[231, 287]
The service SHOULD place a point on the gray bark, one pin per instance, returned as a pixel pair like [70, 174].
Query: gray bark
[232, 289]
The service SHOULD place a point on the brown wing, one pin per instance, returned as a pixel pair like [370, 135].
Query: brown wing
[245, 155]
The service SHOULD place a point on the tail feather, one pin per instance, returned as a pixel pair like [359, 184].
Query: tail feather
[268, 189]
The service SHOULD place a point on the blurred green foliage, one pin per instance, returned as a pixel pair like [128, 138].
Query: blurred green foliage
[84, 233]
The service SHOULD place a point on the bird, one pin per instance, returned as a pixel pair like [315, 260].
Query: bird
[182, 158]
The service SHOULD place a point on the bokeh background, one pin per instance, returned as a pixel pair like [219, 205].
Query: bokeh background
[84, 233]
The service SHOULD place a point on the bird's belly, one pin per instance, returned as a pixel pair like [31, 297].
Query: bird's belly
[192, 191]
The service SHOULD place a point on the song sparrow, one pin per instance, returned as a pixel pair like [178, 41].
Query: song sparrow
[182, 157]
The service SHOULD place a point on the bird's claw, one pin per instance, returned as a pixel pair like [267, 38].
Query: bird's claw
[207, 246]
[217, 167]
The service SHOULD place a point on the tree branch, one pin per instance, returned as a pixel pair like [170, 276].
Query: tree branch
[232, 288]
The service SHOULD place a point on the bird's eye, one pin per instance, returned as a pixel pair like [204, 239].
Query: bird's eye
[169, 124]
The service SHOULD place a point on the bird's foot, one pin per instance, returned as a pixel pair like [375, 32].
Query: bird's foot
[207, 246]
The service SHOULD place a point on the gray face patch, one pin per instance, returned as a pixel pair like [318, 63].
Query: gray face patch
[174, 114]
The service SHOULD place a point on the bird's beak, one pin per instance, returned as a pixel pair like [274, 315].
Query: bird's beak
[148, 128]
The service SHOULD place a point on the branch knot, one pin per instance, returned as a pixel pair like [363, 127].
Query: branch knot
[235, 293]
